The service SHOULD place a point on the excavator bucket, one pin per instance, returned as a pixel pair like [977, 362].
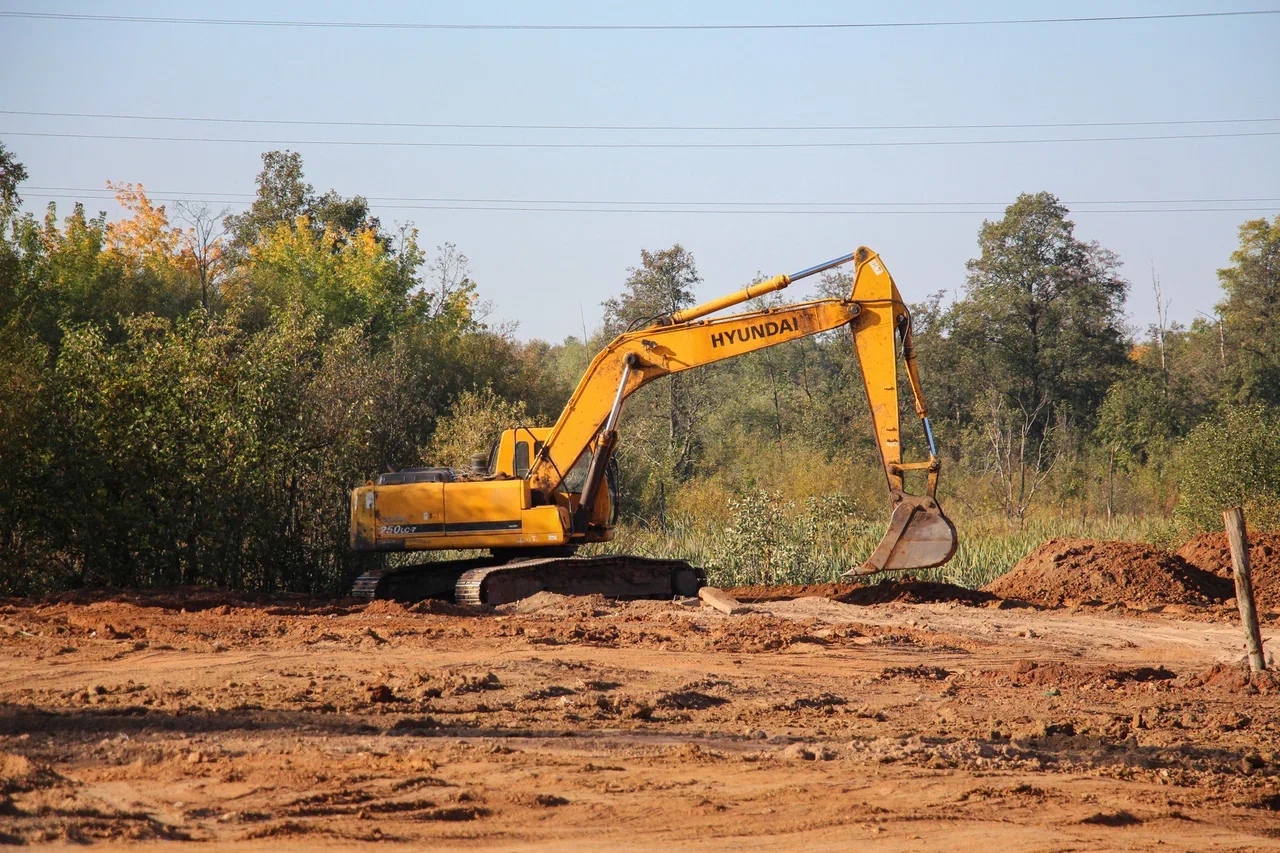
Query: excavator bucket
[920, 536]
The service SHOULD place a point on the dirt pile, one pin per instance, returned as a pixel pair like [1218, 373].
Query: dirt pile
[905, 590]
[1209, 552]
[1064, 571]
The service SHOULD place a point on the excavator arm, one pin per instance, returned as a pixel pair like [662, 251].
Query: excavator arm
[919, 535]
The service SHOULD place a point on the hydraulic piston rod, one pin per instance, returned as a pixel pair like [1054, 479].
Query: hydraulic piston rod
[778, 282]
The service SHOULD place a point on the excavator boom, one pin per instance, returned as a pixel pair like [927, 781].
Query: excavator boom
[919, 535]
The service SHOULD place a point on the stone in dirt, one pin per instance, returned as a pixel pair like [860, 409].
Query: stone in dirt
[799, 752]
[722, 601]
[1063, 570]
[1211, 553]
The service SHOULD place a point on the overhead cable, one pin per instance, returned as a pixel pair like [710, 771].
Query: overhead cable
[633, 127]
[107, 193]
[637, 145]
[418, 25]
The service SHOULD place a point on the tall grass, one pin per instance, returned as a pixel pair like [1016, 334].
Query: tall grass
[769, 540]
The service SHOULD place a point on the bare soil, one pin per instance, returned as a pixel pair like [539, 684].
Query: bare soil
[1210, 552]
[189, 718]
[1073, 571]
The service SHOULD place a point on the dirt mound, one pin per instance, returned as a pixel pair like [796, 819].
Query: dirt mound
[383, 607]
[1209, 552]
[758, 593]
[907, 591]
[915, 592]
[554, 604]
[1235, 678]
[191, 599]
[1082, 570]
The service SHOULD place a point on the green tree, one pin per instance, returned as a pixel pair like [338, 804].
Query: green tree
[1251, 313]
[344, 278]
[1041, 321]
[284, 197]
[471, 425]
[1030, 348]
[662, 284]
[1232, 459]
[12, 173]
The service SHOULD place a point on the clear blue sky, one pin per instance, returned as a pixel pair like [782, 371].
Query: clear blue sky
[543, 268]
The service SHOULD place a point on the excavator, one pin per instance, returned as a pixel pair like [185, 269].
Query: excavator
[546, 491]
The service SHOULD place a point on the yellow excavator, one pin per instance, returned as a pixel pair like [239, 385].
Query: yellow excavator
[547, 490]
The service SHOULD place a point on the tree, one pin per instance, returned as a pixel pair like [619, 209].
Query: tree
[472, 423]
[449, 294]
[203, 245]
[1041, 321]
[345, 278]
[1232, 459]
[283, 196]
[12, 173]
[1251, 313]
[663, 283]
[149, 250]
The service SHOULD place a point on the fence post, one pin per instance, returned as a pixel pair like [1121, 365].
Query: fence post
[1234, 520]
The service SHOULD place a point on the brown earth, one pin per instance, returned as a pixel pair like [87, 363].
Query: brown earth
[1210, 552]
[907, 591]
[288, 723]
[1073, 571]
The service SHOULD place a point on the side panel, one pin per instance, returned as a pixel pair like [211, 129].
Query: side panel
[483, 506]
[436, 516]
[385, 518]
[545, 525]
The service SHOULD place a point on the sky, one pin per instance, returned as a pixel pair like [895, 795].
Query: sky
[551, 231]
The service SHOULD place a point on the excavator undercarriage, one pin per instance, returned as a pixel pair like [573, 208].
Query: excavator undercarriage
[501, 580]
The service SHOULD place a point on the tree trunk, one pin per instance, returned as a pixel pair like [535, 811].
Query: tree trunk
[1111, 474]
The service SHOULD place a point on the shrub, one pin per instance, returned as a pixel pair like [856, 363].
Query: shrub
[1231, 460]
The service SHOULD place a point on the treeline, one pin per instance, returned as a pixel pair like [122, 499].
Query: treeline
[190, 402]
[188, 396]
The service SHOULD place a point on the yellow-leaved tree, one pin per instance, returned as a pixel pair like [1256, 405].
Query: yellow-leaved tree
[160, 258]
[145, 240]
[345, 278]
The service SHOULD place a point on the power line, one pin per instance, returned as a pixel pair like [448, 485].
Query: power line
[410, 25]
[639, 145]
[635, 127]
[231, 197]
[522, 208]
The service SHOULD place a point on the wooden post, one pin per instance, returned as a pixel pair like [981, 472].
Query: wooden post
[1234, 519]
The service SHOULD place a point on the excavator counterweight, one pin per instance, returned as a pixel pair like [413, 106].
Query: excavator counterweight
[548, 490]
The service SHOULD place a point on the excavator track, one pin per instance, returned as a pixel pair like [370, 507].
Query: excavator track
[613, 576]
[409, 584]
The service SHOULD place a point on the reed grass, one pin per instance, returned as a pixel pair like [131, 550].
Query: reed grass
[777, 543]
